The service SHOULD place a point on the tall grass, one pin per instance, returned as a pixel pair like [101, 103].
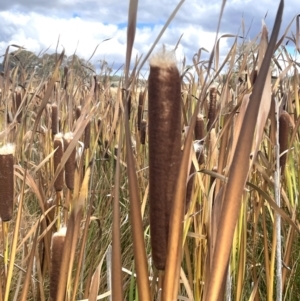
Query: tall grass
[184, 187]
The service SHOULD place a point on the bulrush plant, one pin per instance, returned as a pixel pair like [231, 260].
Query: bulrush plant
[164, 134]
[143, 131]
[70, 166]
[131, 198]
[57, 245]
[6, 182]
[70, 163]
[284, 129]
[212, 108]
[87, 135]
[58, 145]
[59, 151]
[140, 110]
[6, 194]
[54, 119]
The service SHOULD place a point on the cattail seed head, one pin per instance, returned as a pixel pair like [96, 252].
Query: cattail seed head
[127, 96]
[9, 117]
[212, 107]
[139, 117]
[59, 146]
[199, 128]
[253, 76]
[140, 110]
[99, 123]
[6, 181]
[143, 131]
[164, 130]
[87, 135]
[66, 77]
[115, 155]
[57, 246]
[70, 164]
[54, 118]
[284, 126]
[78, 112]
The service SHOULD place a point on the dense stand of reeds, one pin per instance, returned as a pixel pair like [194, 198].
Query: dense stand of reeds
[184, 187]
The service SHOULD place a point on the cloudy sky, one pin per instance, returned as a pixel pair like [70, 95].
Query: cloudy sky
[83, 24]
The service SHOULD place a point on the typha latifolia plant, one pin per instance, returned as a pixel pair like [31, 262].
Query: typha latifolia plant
[110, 201]
[54, 119]
[57, 245]
[284, 128]
[58, 145]
[6, 182]
[143, 131]
[164, 131]
[69, 169]
[6, 193]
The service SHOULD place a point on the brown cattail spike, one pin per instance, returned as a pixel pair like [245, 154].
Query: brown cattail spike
[212, 108]
[284, 125]
[99, 121]
[116, 148]
[253, 76]
[87, 135]
[57, 245]
[78, 112]
[9, 117]
[59, 146]
[139, 117]
[54, 118]
[140, 110]
[70, 164]
[66, 77]
[6, 181]
[199, 128]
[127, 96]
[164, 111]
[143, 131]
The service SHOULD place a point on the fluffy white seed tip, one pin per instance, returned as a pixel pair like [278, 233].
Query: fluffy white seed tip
[7, 149]
[61, 232]
[58, 136]
[163, 59]
[68, 136]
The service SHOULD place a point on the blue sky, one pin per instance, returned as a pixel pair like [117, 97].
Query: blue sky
[36, 25]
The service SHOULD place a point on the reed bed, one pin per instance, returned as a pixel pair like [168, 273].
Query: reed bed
[184, 187]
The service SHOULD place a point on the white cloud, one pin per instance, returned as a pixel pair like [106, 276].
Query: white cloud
[37, 25]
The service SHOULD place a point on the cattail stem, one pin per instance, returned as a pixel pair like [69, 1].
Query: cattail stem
[164, 111]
